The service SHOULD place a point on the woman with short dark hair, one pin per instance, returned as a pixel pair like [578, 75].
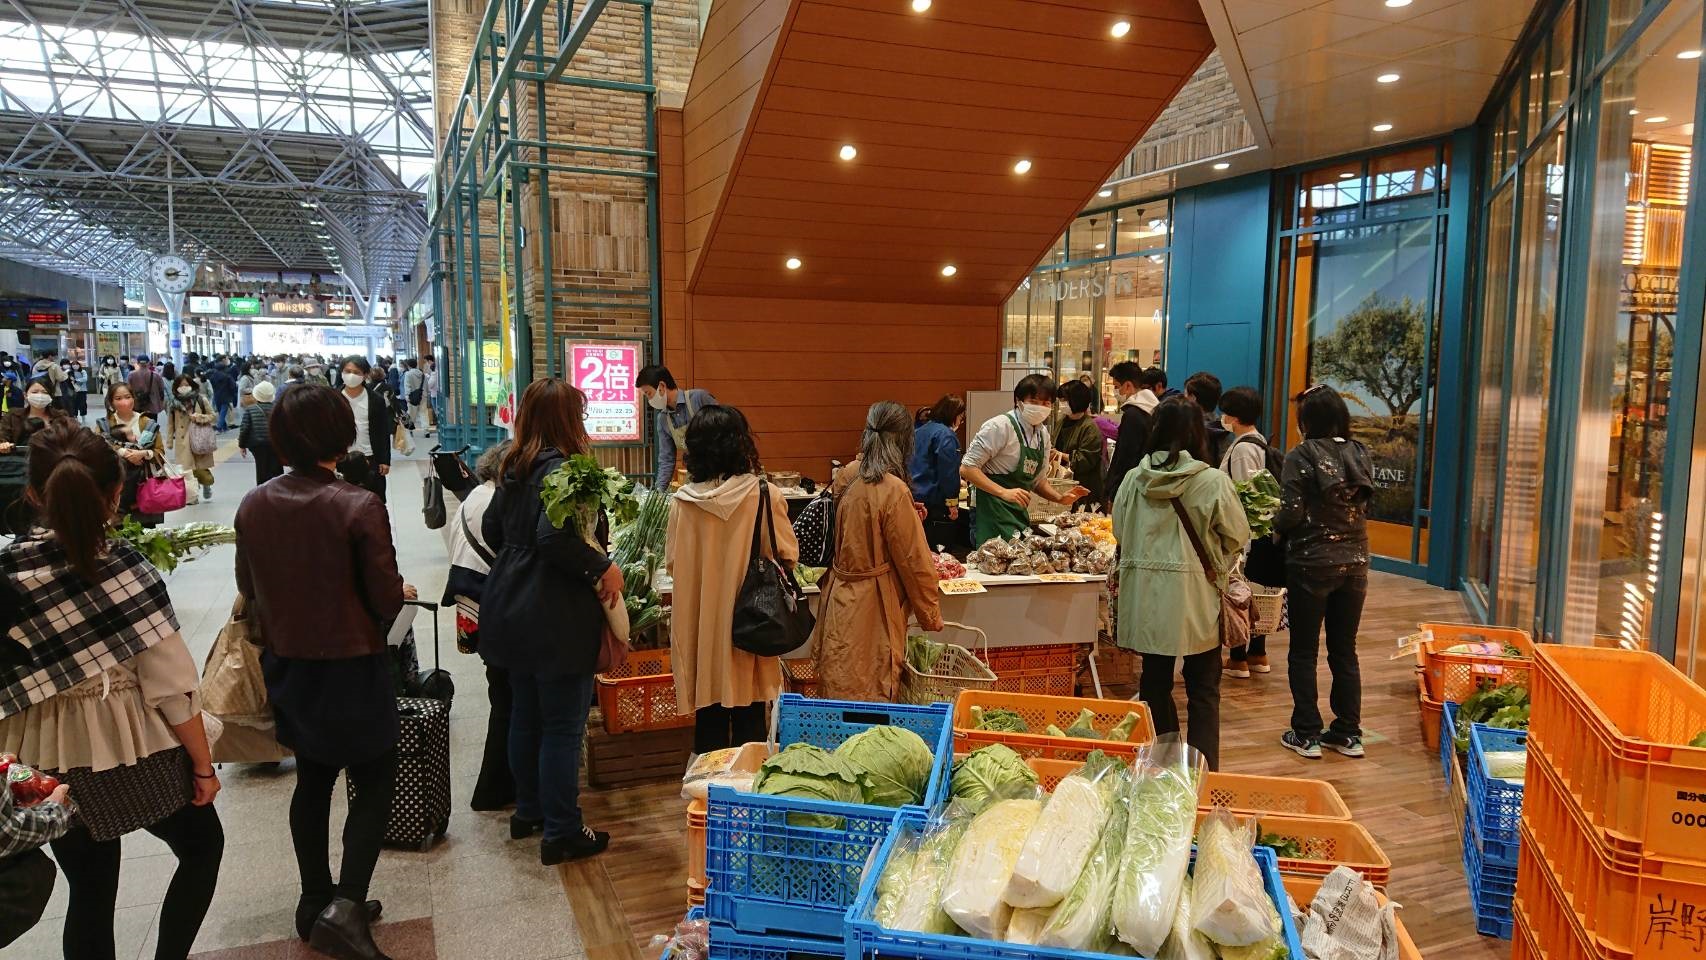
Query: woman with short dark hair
[712, 526]
[328, 674]
[1323, 514]
[935, 463]
[188, 407]
[542, 619]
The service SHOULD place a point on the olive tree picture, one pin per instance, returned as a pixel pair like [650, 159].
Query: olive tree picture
[1378, 355]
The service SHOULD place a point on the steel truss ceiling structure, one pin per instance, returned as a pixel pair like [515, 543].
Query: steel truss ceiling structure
[289, 134]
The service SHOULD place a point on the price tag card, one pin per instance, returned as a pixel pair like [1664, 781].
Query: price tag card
[1407, 645]
[960, 588]
[1061, 577]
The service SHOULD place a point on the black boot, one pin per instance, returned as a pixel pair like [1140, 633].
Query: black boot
[521, 828]
[341, 931]
[308, 909]
[588, 842]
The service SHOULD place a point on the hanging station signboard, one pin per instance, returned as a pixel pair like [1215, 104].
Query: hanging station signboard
[205, 305]
[604, 370]
[243, 306]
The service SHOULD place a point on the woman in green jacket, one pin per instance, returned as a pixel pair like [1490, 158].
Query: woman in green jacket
[1167, 608]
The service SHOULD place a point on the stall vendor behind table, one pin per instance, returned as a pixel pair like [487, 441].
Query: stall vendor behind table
[1006, 462]
[675, 408]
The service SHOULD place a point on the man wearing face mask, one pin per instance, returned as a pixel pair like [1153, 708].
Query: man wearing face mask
[369, 458]
[1005, 463]
[675, 408]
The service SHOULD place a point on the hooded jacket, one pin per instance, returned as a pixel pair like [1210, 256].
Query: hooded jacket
[709, 545]
[1324, 504]
[1132, 441]
[1166, 603]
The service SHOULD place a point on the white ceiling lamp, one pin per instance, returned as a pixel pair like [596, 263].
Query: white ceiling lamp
[1633, 111]
[1105, 194]
[848, 151]
[1223, 165]
[792, 263]
[1688, 55]
[1101, 246]
[1347, 175]
[950, 270]
[1382, 127]
[1395, 4]
[1661, 118]
[1120, 29]
[919, 6]
[1387, 78]
[1022, 167]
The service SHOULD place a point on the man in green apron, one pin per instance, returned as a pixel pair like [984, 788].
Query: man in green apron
[1005, 462]
[675, 407]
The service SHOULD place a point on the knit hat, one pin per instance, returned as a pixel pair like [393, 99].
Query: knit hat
[263, 392]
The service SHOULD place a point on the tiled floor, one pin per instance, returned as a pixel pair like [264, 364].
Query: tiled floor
[476, 895]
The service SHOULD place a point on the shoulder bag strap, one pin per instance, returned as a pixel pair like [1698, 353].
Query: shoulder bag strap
[468, 533]
[758, 521]
[1196, 543]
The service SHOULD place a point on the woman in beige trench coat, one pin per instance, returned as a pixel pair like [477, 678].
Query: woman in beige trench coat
[187, 406]
[883, 571]
[708, 547]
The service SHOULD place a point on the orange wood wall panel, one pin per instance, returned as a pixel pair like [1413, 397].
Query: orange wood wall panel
[672, 246]
[804, 371]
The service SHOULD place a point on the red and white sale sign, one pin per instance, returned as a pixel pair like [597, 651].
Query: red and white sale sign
[605, 373]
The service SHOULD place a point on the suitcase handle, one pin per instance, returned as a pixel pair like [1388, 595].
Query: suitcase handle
[431, 608]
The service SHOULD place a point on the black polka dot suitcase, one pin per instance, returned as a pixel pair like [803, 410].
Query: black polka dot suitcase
[420, 806]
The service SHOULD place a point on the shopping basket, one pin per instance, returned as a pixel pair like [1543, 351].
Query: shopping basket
[955, 670]
[1267, 605]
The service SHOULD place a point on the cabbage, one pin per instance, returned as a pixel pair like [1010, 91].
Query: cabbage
[897, 763]
[1157, 847]
[978, 874]
[919, 906]
[1081, 919]
[894, 882]
[1026, 924]
[810, 773]
[1066, 833]
[1230, 906]
[981, 775]
[1183, 943]
[1270, 947]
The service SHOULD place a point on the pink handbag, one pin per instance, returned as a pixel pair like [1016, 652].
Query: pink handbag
[160, 495]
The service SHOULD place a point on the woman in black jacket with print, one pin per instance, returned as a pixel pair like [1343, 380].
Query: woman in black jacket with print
[541, 619]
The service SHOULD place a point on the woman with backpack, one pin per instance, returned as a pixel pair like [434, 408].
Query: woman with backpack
[1247, 455]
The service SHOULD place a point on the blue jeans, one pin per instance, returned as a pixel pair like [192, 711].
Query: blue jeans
[547, 721]
[223, 410]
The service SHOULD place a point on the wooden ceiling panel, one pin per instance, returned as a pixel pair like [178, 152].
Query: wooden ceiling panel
[939, 106]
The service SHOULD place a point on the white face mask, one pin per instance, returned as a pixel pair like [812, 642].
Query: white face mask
[37, 400]
[657, 401]
[185, 391]
[1034, 413]
[353, 380]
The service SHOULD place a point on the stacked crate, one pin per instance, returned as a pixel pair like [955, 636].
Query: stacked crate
[1612, 862]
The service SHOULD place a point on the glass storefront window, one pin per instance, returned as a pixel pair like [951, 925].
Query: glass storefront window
[1490, 397]
[1088, 238]
[1559, 59]
[1144, 227]
[1638, 213]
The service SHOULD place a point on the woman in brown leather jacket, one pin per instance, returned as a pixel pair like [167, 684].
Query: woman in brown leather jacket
[328, 675]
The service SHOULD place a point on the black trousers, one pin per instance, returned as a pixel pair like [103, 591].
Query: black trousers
[364, 826]
[91, 872]
[1318, 598]
[1202, 699]
[26, 884]
[716, 727]
[1258, 647]
[495, 788]
[266, 463]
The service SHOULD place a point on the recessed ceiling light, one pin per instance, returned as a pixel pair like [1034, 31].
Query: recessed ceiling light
[1688, 55]
[1382, 127]
[1386, 78]
[1347, 175]
[1223, 165]
[1661, 118]
[1101, 246]
[1633, 111]
[792, 263]
[950, 270]
[1120, 29]
[848, 151]
[1105, 194]
[919, 6]
[1397, 3]
[1023, 166]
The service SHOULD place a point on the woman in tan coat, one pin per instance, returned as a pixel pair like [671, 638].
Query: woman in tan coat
[188, 407]
[711, 526]
[883, 570]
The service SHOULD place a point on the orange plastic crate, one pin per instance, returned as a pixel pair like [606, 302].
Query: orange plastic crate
[1039, 711]
[1452, 677]
[1050, 670]
[696, 843]
[1433, 713]
[1326, 844]
[1631, 906]
[1612, 723]
[695, 894]
[1245, 794]
[799, 675]
[1303, 889]
[640, 695]
[1545, 925]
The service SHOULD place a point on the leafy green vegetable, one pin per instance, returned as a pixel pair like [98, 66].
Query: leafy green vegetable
[919, 905]
[896, 763]
[1000, 719]
[1084, 725]
[1283, 846]
[923, 652]
[1699, 740]
[1482, 706]
[1080, 921]
[582, 489]
[1157, 851]
[1122, 731]
[982, 774]
[1066, 833]
[1229, 904]
[166, 547]
[1260, 495]
[809, 576]
[982, 864]
[812, 773]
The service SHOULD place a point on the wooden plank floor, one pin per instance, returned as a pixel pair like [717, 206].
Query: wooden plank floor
[637, 890]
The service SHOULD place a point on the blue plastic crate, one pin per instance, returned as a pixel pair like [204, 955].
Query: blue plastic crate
[1495, 805]
[865, 939]
[1447, 740]
[1491, 889]
[727, 943]
[766, 872]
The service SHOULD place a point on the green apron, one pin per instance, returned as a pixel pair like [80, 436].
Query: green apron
[996, 517]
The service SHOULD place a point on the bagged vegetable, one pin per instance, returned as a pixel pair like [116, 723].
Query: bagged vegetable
[988, 771]
[1346, 921]
[1066, 833]
[1507, 764]
[919, 906]
[1026, 924]
[811, 773]
[896, 762]
[1184, 943]
[895, 880]
[977, 876]
[1081, 920]
[714, 767]
[1157, 851]
[1269, 947]
[1230, 905]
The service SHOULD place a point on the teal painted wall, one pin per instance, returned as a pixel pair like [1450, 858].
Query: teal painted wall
[1217, 301]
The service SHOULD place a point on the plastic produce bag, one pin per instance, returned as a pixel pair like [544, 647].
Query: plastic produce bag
[1081, 920]
[1184, 943]
[1027, 923]
[895, 880]
[1157, 853]
[983, 862]
[1066, 833]
[1230, 906]
[714, 767]
[1347, 922]
[918, 904]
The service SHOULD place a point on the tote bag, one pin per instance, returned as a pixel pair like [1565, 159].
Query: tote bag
[203, 439]
[771, 613]
[161, 494]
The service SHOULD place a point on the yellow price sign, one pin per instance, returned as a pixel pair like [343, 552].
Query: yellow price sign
[960, 588]
[1061, 577]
